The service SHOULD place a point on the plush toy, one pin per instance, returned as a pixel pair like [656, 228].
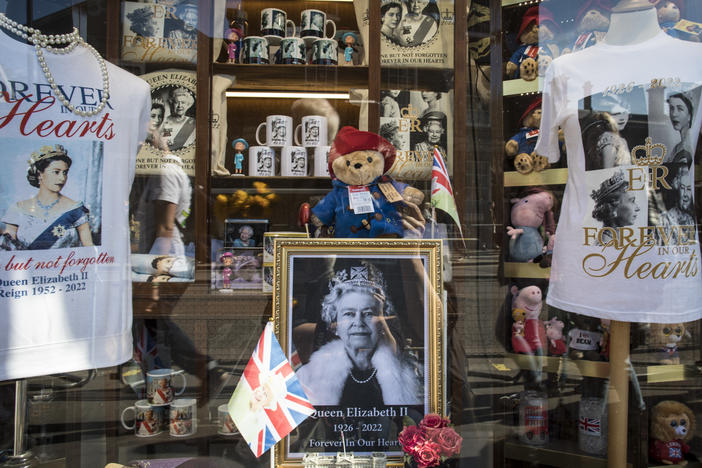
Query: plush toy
[521, 145]
[529, 213]
[554, 333]
[672, 426]
[584, 339]
[669, 12]
[526, 302]
[592, 24]
[519, 344]
[665, 338]
[364, 202]
[538, 48]
[226, 272]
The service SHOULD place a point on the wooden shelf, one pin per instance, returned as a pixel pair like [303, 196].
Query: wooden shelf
[556, 453]
[519, 86]
[518, 2]
[221, 184]
[546, 177]
[319, 78]
[553, 364]
[526, 270]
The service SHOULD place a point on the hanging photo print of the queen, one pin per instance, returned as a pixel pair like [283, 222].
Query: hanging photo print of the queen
[359, 327]
[50, 195]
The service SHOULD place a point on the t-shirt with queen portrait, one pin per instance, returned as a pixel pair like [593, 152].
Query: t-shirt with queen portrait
[626, 245]
[65, 305]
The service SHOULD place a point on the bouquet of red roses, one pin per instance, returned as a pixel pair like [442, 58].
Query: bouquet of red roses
[431, 442]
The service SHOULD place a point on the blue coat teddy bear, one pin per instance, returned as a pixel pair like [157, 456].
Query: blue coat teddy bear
[363, 202]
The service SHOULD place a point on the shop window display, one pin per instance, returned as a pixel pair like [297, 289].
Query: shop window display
[529, 270]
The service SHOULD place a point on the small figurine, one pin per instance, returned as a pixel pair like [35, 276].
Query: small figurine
[672, 426]
[537, 45]
[531, 211]
[233, 40]
[592, 24]
[352, 56]
[226, 271]
[554, 333]
[363, 202]
[236, 164]
[665, 338]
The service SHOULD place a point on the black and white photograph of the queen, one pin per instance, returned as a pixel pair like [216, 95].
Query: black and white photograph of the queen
[362, 359]
[358, 328]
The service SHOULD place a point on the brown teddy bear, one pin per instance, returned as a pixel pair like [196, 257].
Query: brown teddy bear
[665, 338]
[672, 425]
[593, 22]
[521, 145]
[364, 203]
[669, 12]
[538, 47]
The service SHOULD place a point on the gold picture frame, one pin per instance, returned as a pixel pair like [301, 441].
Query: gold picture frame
[393, 326]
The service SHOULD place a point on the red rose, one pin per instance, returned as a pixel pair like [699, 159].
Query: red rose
[428, 454]
[432, 422]
[448, 440]
[410, 438]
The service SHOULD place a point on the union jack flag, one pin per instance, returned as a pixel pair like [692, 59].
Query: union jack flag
[268, 402]
[441, 191]
[146, 349]
[589, 425]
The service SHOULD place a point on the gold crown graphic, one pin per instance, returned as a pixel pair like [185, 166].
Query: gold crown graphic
[46, 152]
[648, 154]
[609, 186]
[366, 275]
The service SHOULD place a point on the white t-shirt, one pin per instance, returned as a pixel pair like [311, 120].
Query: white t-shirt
[626, 245]
[65, 306]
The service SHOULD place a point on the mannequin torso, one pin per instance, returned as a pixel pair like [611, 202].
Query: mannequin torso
[632, 27]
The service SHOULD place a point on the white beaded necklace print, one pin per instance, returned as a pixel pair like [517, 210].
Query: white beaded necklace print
[46, 41]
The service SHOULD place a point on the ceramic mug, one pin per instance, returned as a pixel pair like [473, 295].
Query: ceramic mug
[312, 130]
[313, 23]
[158, 386]
[148, 419]
[255, 50]
[324, 52]
[274, 22]
[261, 161]
[293, 51]
[225, 424]
[278, 131]
[293, 161]
[183, 417]
[321, 161]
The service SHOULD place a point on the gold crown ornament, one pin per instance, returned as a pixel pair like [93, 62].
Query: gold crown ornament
[45, 152]
[648, 154]
[609, 186]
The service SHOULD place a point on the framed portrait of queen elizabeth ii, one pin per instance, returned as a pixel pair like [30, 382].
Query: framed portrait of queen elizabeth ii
[362, 323]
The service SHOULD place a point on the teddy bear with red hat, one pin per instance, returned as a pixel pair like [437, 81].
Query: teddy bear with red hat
[363, 203]
[521, 145]
[538, 47]
[592, 23]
